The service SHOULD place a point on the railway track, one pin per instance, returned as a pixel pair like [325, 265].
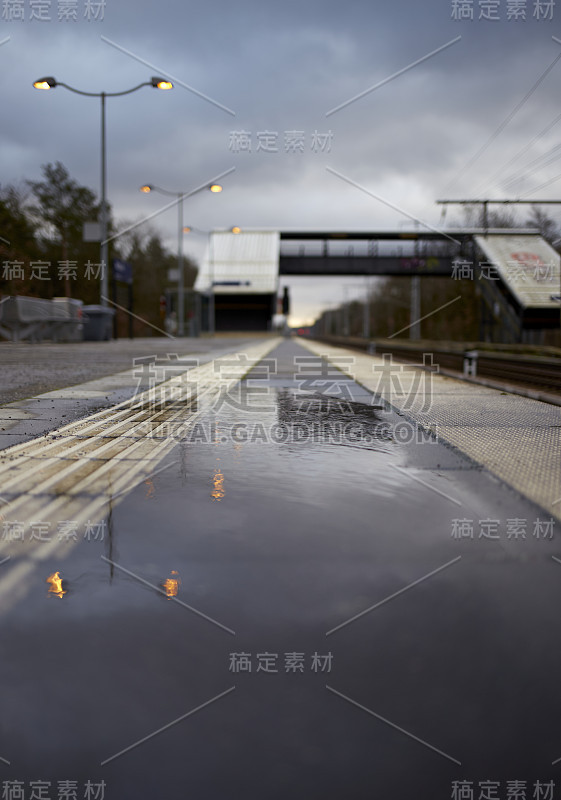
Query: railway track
[539, 375]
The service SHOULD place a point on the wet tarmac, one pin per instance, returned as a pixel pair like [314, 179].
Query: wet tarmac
[30, 368]
[46, 385]
[288, 609]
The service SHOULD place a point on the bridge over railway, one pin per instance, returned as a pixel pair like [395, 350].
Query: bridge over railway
[383, 253]
[517, 270]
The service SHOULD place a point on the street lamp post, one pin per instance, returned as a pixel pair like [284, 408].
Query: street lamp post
[211, 312]
[180, 273]
[366, 310]
[147, 188]
[51, 83]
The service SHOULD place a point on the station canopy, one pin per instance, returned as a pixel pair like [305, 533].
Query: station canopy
[240, 263]
[527, 265]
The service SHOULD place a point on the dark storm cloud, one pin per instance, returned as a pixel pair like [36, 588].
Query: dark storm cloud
[281, 68]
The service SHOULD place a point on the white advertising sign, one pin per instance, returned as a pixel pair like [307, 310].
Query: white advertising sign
[528, 265]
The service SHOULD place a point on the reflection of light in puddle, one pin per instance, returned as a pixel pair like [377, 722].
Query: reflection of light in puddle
[218, 481]
[171, 585]
[150, 488]
[55, 585]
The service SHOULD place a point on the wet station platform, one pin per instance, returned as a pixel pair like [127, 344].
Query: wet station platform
[287, 570]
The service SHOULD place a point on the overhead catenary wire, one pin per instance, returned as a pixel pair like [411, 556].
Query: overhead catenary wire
[542, 186]
[503, 124]
[488, 184]
[524, 172]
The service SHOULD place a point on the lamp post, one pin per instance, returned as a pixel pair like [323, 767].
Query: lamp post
[51, 83]
[211, 313]
[147, 188]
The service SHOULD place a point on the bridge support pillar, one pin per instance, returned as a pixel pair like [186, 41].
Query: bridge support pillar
[415, 329]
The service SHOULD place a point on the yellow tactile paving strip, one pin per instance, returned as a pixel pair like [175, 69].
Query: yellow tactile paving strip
[80, 470]
[515, 438]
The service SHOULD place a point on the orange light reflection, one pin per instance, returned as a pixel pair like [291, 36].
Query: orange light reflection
[171, 585]
[55, 585]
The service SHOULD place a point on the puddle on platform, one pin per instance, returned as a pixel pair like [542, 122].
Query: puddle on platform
[322, 419]
[278, 523]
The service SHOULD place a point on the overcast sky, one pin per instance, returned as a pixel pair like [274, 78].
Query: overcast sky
[282, 68]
